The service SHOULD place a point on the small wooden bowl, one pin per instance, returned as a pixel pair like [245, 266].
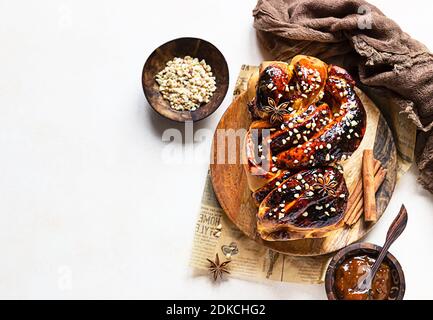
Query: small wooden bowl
[196, 48]
[370, 250]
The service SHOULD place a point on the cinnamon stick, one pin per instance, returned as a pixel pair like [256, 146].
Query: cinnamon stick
[370, 213]
[356, 195]
[358, 208]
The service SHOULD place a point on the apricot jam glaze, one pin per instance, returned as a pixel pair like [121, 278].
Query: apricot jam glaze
[352, 270]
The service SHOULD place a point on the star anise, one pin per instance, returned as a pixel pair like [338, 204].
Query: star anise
[325, 186]
[275, 111]
[217, 269]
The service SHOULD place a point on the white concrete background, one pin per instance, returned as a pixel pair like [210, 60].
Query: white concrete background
[87, 207]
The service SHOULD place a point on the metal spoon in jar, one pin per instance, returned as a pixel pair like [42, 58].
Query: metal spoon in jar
[394, 231]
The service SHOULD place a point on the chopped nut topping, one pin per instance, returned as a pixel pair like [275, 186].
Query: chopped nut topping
[186, 83]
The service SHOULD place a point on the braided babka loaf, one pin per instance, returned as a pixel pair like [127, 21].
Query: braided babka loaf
[306, 118]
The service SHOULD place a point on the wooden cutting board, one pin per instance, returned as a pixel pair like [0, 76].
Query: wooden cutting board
[230, 182]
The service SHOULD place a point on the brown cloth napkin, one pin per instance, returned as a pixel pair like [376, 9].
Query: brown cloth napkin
[358, 36]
